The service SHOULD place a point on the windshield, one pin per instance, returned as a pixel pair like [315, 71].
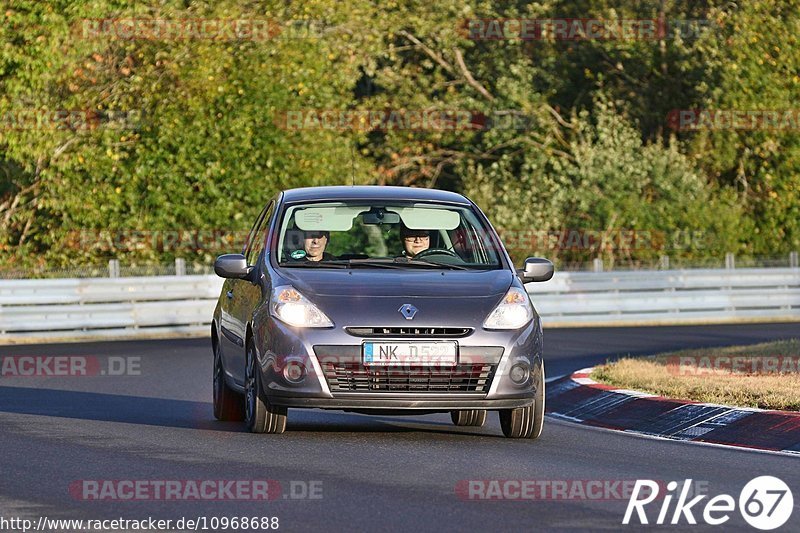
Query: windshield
[396, 235]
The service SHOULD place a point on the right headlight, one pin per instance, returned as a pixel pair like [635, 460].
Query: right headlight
[291, 307]
[513, 311]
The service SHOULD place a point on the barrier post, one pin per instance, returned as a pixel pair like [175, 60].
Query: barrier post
[730, 261]
[113, 268]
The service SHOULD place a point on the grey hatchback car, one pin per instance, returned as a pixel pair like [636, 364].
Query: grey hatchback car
[378, 300]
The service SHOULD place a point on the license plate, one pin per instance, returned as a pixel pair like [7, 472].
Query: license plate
[410, 353]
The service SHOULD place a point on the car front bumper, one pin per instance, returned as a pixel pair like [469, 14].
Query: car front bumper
[334, 378]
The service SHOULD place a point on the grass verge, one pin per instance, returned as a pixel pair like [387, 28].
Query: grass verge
[765, 375]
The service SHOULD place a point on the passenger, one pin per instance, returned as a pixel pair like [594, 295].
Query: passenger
[414, 241]
[314, 244]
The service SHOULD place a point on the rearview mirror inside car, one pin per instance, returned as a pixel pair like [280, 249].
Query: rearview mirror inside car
[536, 269]
[374, 217]
[232, 266]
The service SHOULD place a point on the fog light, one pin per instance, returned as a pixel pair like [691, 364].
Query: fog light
[520, 373]
[294, 372]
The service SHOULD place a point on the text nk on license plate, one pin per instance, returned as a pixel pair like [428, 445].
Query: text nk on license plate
[410, 353]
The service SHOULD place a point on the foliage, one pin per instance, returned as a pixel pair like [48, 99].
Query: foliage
[189, 134]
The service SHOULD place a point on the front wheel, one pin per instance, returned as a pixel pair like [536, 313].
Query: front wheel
[470, 417]
[525, 422]
[260, 415]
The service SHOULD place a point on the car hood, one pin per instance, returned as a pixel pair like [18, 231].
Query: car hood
[374, 298]
[386, 283]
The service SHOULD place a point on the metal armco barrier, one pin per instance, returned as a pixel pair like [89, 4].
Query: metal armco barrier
[668, 297]
[170, 305]
[107, 307]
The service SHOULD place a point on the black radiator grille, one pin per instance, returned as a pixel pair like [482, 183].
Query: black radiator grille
[354, 377]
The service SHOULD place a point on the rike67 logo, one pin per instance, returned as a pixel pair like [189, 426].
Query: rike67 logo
[765, 503]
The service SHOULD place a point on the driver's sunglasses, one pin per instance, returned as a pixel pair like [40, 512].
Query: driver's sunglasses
[415, 236]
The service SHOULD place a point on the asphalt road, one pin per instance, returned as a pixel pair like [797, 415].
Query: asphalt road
[367, 473]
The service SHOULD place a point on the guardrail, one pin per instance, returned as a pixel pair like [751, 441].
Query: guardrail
[668, 297]
[169, 305]
[107, 307]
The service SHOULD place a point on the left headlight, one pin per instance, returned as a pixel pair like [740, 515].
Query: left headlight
[513, 311]
[291, 307]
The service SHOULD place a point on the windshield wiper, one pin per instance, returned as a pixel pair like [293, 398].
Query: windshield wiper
[313, 264]
[431, 264]
[380, 263]
[402, 262]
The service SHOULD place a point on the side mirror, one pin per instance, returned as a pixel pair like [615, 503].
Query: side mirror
[232, 266]
[536, 269]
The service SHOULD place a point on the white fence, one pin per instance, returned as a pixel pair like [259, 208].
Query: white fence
[168, 305]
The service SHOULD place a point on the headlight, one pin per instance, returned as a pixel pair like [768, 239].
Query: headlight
[513, 312]
[288, 305]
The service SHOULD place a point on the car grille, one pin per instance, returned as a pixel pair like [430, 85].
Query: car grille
[352, 377]
[409, 332]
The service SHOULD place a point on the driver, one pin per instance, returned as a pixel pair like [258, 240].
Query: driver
[414, 241]
[314, 244]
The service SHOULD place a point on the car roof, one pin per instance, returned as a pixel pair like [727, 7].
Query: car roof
[372, 192]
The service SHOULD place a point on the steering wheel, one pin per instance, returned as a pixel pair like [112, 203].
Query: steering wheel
[436, 251]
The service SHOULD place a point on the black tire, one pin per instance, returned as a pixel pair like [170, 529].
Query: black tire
[526, 422]
[260, 415]
[228, 404]
[469, 417]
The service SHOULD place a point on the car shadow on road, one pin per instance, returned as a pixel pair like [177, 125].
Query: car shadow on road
[112, 408]
[196, 415]
[340, 422]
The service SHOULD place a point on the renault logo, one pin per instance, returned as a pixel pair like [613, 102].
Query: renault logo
[408, 311]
